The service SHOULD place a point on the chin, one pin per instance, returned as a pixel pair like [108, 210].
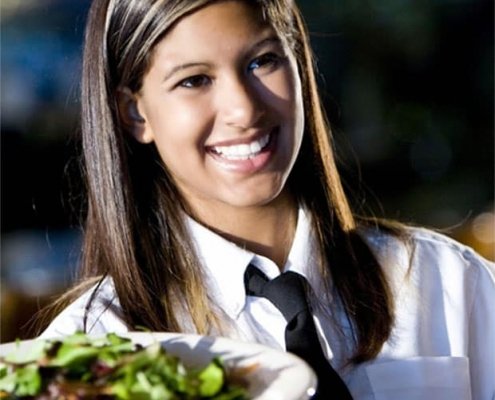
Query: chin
[254, 198]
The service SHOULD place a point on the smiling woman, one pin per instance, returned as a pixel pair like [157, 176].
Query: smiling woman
[234, 119]
[210, 168]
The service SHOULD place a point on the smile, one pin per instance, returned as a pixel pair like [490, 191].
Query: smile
[243, 151]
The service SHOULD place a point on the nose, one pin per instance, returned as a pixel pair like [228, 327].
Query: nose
[241, 103]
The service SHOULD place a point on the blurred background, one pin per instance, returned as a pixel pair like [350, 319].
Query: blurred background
[408, 86]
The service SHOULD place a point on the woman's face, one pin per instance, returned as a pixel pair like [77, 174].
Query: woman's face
[222, 102]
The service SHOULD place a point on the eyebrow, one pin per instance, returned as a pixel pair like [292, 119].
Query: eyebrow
[180, 67]
[256, 47]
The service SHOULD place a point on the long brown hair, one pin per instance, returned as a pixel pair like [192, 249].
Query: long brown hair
[134, 230]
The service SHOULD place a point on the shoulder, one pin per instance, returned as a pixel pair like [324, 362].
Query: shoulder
[425, 254]
[96, 311]
[415, 242]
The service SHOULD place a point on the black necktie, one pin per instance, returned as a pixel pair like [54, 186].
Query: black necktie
[288, 293]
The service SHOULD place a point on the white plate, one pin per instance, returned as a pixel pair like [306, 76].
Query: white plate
[278, 375]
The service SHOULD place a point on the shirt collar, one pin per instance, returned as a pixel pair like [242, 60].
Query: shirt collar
[225, 262]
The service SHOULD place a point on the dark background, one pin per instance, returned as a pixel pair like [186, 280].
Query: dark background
[408, 86]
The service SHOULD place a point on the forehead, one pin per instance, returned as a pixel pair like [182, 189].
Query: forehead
[218, 23]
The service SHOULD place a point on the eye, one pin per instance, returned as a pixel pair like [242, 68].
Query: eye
[195, 81]
[268, 61]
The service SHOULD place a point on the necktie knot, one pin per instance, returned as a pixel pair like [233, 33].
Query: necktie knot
[287, 292]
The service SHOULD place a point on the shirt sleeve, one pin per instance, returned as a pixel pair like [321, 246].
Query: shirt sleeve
[103, 316]
[481, 330]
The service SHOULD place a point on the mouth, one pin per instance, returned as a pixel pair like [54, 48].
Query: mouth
[244, 151]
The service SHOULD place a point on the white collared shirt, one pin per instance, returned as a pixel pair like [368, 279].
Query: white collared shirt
[443, 342]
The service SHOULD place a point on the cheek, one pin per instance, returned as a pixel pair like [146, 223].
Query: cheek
[181, 145]
[293, 89]
[282, 91]
[180, 124]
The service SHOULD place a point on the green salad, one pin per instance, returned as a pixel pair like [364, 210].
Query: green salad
[111, 367]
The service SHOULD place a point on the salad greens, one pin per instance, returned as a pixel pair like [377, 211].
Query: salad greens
[110, 367]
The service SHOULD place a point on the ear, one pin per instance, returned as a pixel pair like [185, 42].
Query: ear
[130, 116]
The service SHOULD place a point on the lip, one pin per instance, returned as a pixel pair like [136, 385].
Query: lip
[249, 165]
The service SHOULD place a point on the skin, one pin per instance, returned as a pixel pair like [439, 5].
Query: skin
[221, 78]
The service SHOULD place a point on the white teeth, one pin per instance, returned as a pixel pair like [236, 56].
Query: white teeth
[243, 151]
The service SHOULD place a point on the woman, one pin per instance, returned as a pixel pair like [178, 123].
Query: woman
[206, 150]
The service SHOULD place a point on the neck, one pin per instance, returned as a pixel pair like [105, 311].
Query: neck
[266, 230]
